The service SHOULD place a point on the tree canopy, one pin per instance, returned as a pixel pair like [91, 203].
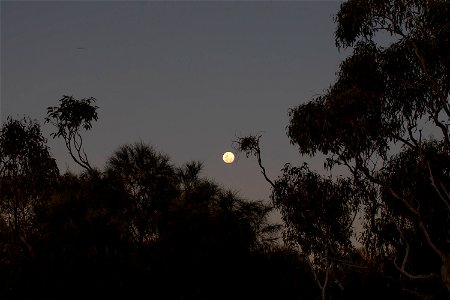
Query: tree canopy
[386, 119]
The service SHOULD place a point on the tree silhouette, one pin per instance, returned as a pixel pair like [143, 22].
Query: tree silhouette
[150, 182]
[85, 248]
[27, 175]
[376, 120]
[69, 118]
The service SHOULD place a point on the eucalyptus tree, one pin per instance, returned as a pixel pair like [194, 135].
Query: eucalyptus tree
[28, 174]
[70, 117]
[387, 98]
[386, 119]
[317, 222]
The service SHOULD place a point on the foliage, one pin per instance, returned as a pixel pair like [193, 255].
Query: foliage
[69, 118]
[316, 218]
[27, 175]
[386, 119]
[150, 182]
[387, 98]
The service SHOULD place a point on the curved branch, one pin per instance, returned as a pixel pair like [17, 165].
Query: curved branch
[411, 276]
[263, 170]
[433, 183]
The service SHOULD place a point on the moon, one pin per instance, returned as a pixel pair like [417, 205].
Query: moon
[228, 157]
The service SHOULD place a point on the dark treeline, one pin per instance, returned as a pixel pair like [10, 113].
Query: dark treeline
[143, 227]
[140, 227]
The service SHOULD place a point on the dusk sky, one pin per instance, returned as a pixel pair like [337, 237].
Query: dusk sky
[186, 77]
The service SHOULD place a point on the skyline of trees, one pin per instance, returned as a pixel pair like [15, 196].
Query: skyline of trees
[145, 226]
[141, 223]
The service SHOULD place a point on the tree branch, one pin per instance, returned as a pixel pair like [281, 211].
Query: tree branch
[411, 276]
[433, 183]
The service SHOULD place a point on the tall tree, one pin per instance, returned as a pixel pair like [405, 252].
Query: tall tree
[150, 181]
[27, 175]
[386, 119]
[69, 118]
[318, 223]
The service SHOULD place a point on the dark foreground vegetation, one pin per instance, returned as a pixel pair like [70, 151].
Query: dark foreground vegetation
[143, 227]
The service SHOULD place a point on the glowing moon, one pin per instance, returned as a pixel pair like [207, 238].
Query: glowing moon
[228, 157]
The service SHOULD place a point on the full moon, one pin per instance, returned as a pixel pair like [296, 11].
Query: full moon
[228, 157]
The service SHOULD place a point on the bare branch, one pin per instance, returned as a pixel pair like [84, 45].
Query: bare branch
[313, 271]
[411, 276]
[325, 283]
[433, 183]
[421, 224]
[430, 242]
[250, 145]
[263, 170]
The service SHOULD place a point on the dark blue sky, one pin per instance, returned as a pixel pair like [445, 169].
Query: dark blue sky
[185, 77]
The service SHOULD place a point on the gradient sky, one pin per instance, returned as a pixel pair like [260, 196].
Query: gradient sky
[187, 77]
